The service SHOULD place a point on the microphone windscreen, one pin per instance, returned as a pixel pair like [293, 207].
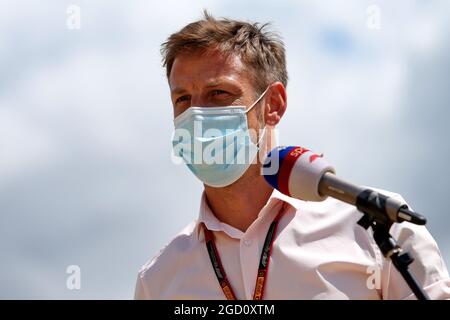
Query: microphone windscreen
[296, 172]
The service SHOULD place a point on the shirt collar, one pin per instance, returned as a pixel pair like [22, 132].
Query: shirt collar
[207, 217]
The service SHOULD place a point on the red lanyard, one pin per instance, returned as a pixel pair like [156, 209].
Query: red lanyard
[263, 262]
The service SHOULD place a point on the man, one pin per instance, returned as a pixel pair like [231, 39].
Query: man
[250, 241]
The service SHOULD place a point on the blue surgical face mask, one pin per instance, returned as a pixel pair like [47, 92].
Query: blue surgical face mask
[215, 142]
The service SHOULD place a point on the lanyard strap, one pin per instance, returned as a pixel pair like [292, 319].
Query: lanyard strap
[263, 262]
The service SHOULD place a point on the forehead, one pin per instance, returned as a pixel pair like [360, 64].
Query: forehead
[198, 68]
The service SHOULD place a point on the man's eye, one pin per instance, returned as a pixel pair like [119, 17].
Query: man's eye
[182, 98]
[217, 92]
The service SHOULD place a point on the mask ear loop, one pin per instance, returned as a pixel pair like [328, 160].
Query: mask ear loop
[260, 97]
[265, 127]
[261, 137]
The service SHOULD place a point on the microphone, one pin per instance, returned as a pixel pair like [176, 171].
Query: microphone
[300, 173]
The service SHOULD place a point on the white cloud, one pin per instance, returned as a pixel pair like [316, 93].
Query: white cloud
[24, 147]
[85, 121]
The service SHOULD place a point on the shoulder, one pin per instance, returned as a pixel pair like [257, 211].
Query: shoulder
[179, 245]
[154, 275]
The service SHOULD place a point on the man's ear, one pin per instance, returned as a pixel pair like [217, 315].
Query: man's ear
[275, 104]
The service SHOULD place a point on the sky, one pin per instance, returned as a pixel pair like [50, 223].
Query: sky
[86, 177]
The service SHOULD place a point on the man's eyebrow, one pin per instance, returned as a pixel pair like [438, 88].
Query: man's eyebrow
[177, 90]
[218, 82]
[209, 84]
[212, 84]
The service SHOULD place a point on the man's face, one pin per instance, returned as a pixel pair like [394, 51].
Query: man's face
[211, 79]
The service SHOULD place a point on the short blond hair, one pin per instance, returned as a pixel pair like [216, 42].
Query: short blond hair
[261, 51]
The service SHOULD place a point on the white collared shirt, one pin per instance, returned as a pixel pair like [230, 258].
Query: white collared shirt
[319, 253]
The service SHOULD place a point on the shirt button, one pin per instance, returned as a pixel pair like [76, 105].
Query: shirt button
[248, 243]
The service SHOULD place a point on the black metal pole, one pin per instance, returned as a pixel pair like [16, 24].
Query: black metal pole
[390, 249]
[402, 266]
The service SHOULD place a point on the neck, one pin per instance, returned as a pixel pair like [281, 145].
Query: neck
[240, 203]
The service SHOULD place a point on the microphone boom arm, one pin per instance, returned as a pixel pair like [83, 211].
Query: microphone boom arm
[379, 206]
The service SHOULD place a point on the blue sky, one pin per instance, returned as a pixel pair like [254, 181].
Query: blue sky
[86, 176]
